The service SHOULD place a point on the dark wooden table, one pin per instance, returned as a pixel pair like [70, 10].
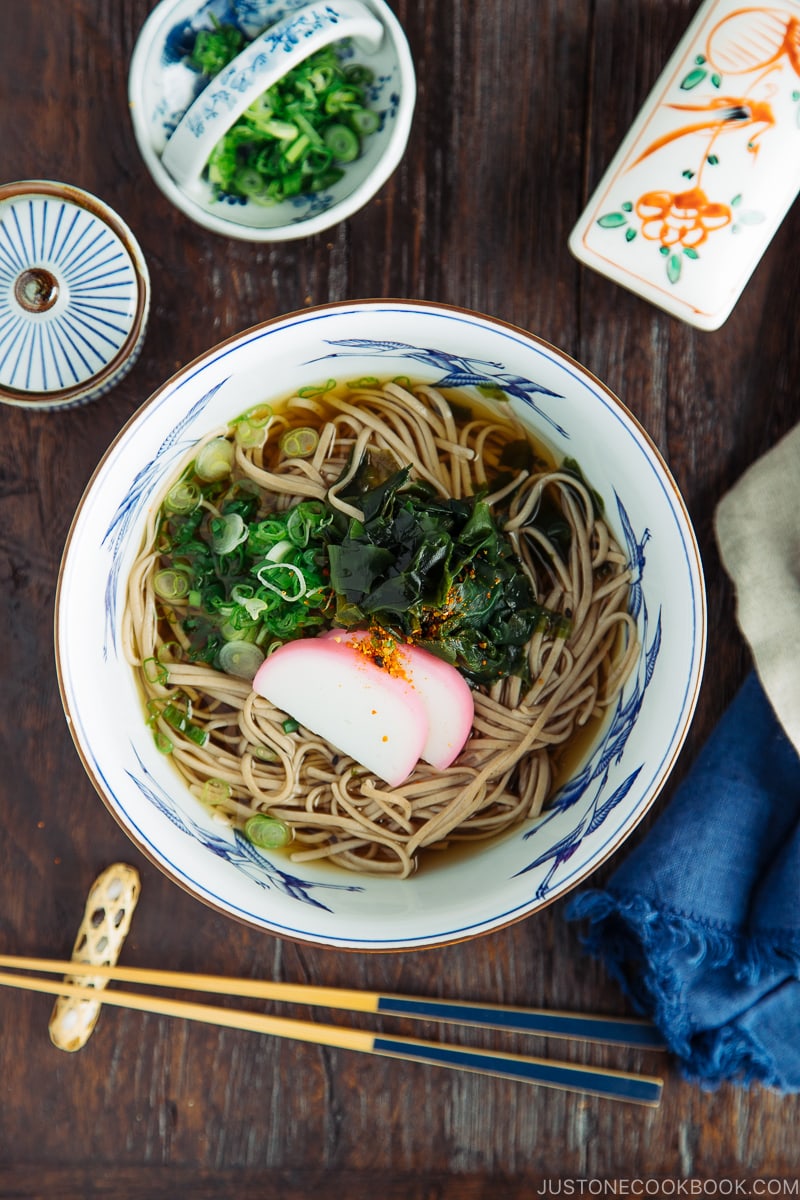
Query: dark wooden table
[521, 106]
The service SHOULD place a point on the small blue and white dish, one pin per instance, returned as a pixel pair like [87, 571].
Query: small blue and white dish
[74, 296]
[179, 114]
[621, 773]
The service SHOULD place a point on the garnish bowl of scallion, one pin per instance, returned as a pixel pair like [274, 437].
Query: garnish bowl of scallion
[269, 120]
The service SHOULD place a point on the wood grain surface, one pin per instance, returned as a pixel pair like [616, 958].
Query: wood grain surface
[522, 103]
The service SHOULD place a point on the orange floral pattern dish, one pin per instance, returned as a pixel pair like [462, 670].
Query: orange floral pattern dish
[709, 169]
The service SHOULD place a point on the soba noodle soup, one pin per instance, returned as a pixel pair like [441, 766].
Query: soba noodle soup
[302, 475]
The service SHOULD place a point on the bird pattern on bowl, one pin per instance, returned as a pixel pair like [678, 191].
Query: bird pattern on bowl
[234, 848]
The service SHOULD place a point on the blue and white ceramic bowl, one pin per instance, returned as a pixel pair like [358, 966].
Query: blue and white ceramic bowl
[461, 895]
[162, 87]
[74, 295]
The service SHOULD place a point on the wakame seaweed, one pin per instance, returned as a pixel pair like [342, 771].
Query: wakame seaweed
[436, 571]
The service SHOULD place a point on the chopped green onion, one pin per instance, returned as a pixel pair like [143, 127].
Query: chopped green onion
[259, 415]
[267, 832]
[155, 671]
[326, 179]
[359, 75]
[308, 393]
[364, 121]
[162, 742]
[250, 435]
[236, 629]
[180, 719]
[278, 147]
[244, 595]
[298, 148]
[170, 584]
[215, 460]
[341, 100]
[227, 533]
[281, 551]
[214, 48]
[250, 183]
[216, 791]
[306, 127]
[183, 498]
[169, 652]
[299, 443]
[290, 725]
[342, 142]
[307, 518]
[263, 753]
[241, 659]
[302, 586]
[261, 109]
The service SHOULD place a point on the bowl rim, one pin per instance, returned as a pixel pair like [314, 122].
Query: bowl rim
[338, 212]
[694, 681]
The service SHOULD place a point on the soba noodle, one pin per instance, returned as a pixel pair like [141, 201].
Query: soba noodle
[510, 765]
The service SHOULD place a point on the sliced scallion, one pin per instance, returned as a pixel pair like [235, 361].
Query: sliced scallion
[162, 742]
[263, 753]
[227, 533]
[155, 671]
[280, 146]
[170, 584]
[342, 142]
[215, 791]
[183, 498]
[267, 832]
[281, 551]
[359, 75]
[241, 659]
[299, 443]
[250, 435]
[364, 121]
[214, 460]
[180, 718]
[259, 415]
[169, 652]
[281, 585]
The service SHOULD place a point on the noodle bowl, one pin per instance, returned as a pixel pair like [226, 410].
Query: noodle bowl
[595, 780]
[528, 725]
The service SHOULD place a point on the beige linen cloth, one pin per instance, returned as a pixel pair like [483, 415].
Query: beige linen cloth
[758, 532]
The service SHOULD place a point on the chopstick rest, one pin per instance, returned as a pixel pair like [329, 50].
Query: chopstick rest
[106, 920]
[709, 168]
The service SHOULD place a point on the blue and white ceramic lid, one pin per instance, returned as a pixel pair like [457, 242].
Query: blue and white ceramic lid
[74, 295]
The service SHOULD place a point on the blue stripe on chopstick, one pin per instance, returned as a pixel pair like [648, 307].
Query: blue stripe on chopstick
[520, 1020]
[641, 1089]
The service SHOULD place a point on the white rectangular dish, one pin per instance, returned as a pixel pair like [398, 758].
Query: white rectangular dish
[709, 168]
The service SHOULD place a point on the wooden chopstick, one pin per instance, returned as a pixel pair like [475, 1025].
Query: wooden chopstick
[609, 1084]
[618, 1031]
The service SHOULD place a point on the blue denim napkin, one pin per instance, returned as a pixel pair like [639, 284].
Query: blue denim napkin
[701, 923]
